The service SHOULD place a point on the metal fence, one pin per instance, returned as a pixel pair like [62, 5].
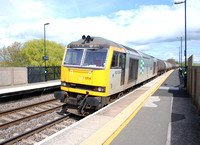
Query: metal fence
[38, 74]
[193, 82]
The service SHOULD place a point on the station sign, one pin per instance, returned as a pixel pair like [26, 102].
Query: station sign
[45, 58]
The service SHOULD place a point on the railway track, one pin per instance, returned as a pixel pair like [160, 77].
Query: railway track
[15, 116]
[27, 107]
[32, 123]
[36, 110]
[22, 137]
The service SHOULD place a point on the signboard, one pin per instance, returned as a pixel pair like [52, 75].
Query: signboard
[45, 58]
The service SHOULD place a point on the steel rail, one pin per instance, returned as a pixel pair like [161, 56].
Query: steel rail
[34, 130]
[27, 107]
[29, 117]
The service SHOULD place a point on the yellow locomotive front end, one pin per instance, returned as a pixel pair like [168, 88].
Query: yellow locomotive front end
[84, 77]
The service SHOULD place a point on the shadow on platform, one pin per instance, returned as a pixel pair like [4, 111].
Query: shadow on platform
[185, 122]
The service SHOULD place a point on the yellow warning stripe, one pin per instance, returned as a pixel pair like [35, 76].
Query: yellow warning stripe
[108, 132]
[111, 138]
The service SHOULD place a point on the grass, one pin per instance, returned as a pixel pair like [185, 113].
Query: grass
[196, 64]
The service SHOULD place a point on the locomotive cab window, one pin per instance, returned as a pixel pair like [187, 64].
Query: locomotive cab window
[118, 60]
[95, 58]
[86, 57]
[73, 57]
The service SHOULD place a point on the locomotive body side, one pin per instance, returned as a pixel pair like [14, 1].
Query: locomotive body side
[134, 69]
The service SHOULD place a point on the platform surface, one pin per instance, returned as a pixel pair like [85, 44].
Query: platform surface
[26, 87]
[100, 126]
[168, 117]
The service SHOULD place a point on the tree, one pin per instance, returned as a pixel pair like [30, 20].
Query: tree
[12, 56]
[31, 54]
[34, 51]
[171, 60]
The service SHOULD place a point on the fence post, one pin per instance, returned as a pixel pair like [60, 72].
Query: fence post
[54, 72]
[28, 74]
[197, 85]
[189, 75]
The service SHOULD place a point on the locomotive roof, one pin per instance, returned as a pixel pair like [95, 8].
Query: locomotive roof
[103, 41]
[96, 41]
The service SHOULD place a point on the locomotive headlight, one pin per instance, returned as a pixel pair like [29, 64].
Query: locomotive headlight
[63, 84]
[99, 89]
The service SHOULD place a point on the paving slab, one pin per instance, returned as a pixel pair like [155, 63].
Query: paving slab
[168, 117]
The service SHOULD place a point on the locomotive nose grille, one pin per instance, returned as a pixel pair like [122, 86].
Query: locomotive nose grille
[73, 85]
[84, 87]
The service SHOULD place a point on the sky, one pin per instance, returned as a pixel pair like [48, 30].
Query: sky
[153, 27]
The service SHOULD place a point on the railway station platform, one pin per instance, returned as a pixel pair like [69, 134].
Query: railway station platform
[159, 112]
[22, 88]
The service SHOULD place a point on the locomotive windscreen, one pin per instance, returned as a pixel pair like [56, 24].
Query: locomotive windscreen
[73, 57]
[86, 57]
[95, 58]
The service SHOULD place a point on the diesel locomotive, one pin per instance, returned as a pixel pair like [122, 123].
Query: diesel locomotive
[95, 69]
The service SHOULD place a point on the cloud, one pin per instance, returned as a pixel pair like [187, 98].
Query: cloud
[197, 58]
[147, 24]
[21, 10]
[145, 27]
[142, 47]
[123, 17]
[28, 10]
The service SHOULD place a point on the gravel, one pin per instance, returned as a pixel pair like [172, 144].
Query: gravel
[24, 102]
[24, 126]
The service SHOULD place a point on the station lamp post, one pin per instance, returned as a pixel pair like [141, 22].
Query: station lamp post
[185, 71]
[180, 51]
[179, 56]
[44, 57]
[185, 33]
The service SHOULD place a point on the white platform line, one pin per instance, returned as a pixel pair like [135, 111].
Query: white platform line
[169, 88]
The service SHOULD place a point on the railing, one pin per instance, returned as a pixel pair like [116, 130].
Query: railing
[38, 74]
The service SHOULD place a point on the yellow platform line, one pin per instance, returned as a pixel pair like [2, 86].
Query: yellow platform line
[109, 131]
